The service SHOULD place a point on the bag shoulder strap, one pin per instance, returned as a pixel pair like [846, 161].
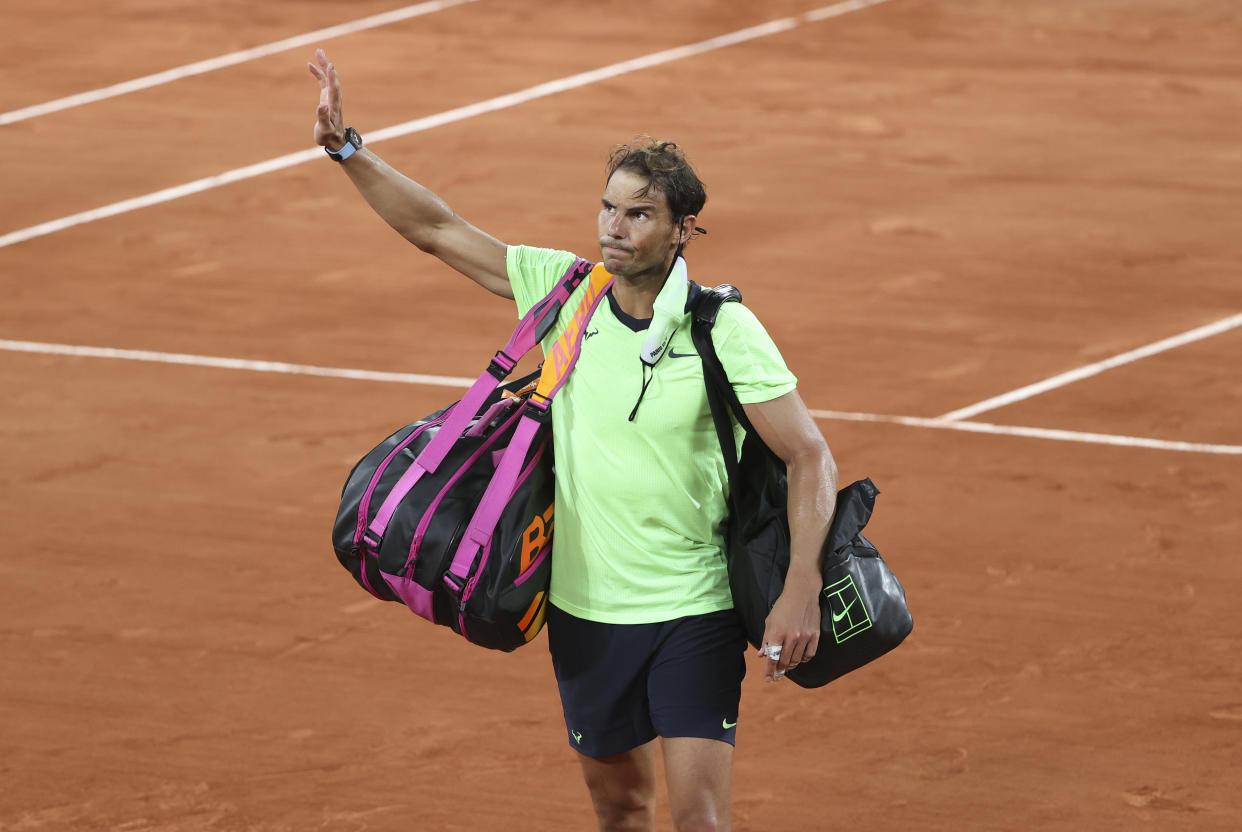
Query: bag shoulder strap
[708, 300]
[562, 355]
[557, 365]
[721, 399]
[705, 307]
[535, 324]
[541, 317]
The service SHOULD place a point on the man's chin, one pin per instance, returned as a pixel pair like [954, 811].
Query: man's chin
[612, 264]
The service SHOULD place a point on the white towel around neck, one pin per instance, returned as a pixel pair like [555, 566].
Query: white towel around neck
[670, 305]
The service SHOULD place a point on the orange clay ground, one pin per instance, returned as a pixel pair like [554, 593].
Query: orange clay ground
[929, 203]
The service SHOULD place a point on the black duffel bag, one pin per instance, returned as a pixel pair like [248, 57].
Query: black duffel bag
[863, 605]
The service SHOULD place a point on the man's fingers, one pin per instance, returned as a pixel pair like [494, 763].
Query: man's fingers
[334, 89]
[772, 652]
[325, 110]
[807, 647]
[803, 650]
[787, 654]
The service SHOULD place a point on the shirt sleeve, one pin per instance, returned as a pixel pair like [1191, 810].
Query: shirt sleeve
[750, 357]
[533, 272]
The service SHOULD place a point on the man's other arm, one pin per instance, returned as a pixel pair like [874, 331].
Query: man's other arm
[787, 428]
[412, 210]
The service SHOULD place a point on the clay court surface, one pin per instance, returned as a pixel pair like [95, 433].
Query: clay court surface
[929, 203]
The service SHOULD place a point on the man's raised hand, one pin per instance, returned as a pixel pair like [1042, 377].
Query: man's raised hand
[329, 123]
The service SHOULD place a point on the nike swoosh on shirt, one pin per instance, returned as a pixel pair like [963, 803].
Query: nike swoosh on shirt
[675, 354]
[727, 724]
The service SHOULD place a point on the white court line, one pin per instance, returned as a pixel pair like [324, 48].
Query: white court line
[502, 102]
[838, 9]
[462, 382]
[1033, 433]
[231, 59]
[233, 363]
[1089, 370]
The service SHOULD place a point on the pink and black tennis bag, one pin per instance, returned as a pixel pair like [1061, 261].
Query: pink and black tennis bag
[452, 515]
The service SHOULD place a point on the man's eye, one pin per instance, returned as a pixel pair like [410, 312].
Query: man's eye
[642, 215]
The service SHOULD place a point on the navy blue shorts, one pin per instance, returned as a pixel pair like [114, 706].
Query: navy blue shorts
[622, 685]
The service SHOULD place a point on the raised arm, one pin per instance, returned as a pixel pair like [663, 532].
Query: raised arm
[412, 210]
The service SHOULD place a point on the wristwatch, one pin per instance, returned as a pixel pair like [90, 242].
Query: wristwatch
[352, 142]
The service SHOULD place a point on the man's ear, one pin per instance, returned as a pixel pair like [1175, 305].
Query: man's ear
[686, 231]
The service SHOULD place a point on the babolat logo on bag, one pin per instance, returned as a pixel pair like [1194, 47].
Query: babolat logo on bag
[536, 537]
[849, 613]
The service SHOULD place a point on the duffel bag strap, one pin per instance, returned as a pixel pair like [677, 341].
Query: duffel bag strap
[533, 325]
[530, 330]
[564, 352]
[478, 535]
[558, 363]
[720, 396]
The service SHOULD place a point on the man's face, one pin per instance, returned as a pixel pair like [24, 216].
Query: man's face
[636, 233]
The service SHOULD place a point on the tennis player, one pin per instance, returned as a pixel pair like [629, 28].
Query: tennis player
[644, 640]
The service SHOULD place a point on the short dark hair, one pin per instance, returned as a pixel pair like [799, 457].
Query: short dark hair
[665, 166]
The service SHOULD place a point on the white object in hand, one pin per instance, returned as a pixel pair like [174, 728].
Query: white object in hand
[771, 651]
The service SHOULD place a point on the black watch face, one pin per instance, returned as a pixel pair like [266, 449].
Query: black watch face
[351, 136]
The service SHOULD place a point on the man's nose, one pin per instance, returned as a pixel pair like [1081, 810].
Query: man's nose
[615, 227]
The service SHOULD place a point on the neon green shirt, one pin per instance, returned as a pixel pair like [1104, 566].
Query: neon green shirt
[640, 504]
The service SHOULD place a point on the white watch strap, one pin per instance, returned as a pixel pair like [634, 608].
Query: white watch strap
[344, 153]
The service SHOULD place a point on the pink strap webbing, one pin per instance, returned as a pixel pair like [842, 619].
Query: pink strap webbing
[523, 340]
[534, 324]
[478, 535]
[542, 316]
